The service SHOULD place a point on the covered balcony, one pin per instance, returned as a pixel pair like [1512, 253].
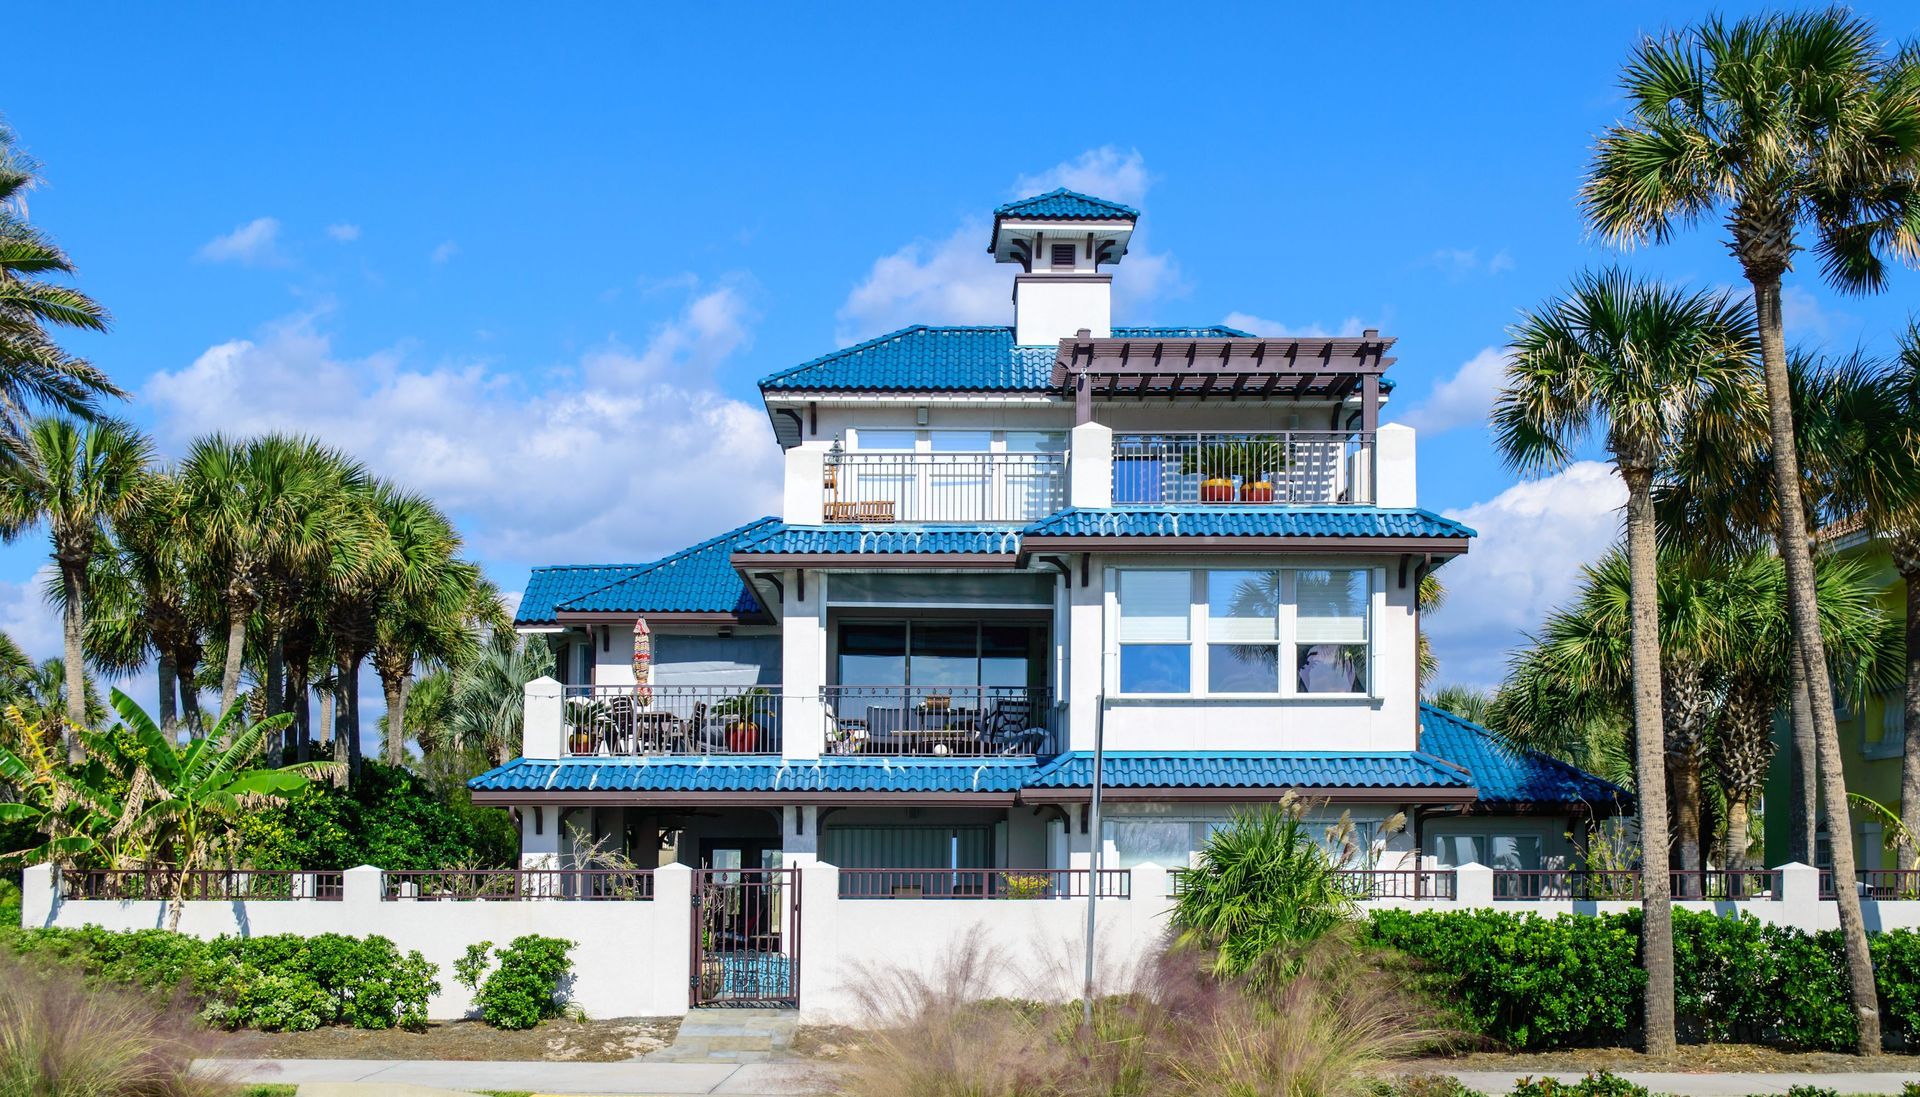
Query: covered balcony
[1281, 468]
[630, 721]
[943, 487]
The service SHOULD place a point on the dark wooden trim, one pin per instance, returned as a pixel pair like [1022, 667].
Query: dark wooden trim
[905, 561]
[678, 618]
[1250, 793]
[1332, 545]
[1019, 279]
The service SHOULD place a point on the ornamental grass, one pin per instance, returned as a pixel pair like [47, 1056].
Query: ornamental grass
[60, 1038]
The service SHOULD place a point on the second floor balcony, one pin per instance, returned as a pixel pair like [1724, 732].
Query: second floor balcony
[1281, 468]
[943, 487]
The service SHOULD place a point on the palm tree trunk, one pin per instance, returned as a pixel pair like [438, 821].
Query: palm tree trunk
[188, 670]
[236, 652]
[73, 579]
[1803, 809]
[1686, 816]
[276, 674]
[347, 730]
[169, 694]
[1803, 602]
[326, 721]
[298, 700]
[396, 691]
[1649, 756]
[1910, 753]
[1739, 830]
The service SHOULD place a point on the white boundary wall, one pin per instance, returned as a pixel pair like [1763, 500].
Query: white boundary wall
[632, 958]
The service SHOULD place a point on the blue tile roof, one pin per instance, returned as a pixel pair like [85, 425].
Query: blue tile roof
[1223, 520]
[1508, 775]
[547, 587]
[949, 359]
[699, 579]
[1283, 770]
[997, 775]
[1066, 205]
[902, 538]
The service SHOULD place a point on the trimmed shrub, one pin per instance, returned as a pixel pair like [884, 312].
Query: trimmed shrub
[525, 988]
[1597, 1083]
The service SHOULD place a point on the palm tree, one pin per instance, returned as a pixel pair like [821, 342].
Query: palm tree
[33, 369]
[142, 602]
[1637, 362]
[489, 695]
[1778, 121]
[1472, 705]
[78, 479]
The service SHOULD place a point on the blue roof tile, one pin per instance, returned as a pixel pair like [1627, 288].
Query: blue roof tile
[547, 587]
[998, 775]
[1507, 775]
[1222, 520]
[948, 359]
[699, 579]
[903, 538]
[1282, 770]
[1066, 205]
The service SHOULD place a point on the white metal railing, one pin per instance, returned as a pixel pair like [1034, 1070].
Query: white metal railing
[1288, 468]
[635, 721]
[944, 487]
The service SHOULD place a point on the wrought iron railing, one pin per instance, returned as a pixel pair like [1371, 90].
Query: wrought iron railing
[220, 885]
[941, 721]
[637, 721]
[944, 487]
[1294, 468]
[600, 884]
[984, 883]
[1720, 883]
[1583, 884]
[1366, 884]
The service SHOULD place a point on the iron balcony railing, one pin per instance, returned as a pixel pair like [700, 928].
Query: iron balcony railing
[984, 883]
[944, 487]
[1367, 884]
[1286, 468]
[580, 884]
[626, 721]
[222, 885]
[942, 721]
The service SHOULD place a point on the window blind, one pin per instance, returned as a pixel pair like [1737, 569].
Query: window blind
[1332, 607]
[1243, 607]
[1154, 606]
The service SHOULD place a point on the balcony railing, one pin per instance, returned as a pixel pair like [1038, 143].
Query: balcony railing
[944, 487]
[1283, 468]
[602, 884]
[1367, 884]
[941, 721]
[984, 883]
[221, 885]
[637, 721]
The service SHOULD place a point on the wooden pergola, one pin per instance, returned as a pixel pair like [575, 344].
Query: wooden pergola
[1289, 368]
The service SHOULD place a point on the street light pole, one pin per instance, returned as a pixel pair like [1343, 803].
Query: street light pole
[1096, 843]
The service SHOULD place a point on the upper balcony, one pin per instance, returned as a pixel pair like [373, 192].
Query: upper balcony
[943, 487]
[1281, 468]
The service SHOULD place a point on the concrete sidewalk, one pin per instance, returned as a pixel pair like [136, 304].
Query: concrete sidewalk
[736, 1079]
[1707, 1085]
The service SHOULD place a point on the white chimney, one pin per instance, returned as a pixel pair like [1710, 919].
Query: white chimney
[1061, 240]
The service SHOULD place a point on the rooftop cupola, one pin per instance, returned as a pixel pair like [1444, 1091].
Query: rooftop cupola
[1061, 239]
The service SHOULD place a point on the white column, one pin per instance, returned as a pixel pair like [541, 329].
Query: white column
[541, 835]
[360, 890]
[544, 730]
[821, 970]
[1394, 480]
[1473, 885]
[1799, 897]
[1090, 467]
[803, 663]
[1087, 633]
[671, 956]
[799, 834]
[39, 895]
[805, 487]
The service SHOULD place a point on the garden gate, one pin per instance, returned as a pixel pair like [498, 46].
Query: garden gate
[746, 937]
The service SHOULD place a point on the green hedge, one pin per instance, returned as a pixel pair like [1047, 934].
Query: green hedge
[1532, 982]
[279, 983]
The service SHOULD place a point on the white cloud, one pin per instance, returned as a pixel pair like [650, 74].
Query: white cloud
[1465, 399]
[446, 250]
[1260, 325]
[953, 280]
[256, 243]
[28, 617]
[624, 454]
[1534, 538]
[1805, 317]
[1457, 263]
[344, 232]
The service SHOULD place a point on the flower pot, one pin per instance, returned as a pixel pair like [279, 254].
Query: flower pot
[1217, 490]
[742, 736]
[1259, 491]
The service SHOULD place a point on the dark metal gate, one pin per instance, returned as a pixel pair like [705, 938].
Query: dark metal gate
[746, 937]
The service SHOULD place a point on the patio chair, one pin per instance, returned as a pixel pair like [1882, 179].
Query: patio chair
[620, 725]
[1009, 727]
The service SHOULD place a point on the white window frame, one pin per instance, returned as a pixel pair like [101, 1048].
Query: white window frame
[1198, 640]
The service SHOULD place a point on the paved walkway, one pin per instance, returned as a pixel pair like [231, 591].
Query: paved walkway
[1708, 1085]
[637, 1077]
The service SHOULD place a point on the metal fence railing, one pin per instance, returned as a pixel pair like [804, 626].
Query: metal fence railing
[636, 721]
[600, 884]
[200, 884]
[1278, 467]
[984, 883]
[944, 487]
[941, 721]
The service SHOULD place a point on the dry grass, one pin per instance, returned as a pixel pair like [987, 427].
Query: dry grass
[609, 1040]
[1169, 1030]
[59, 1038]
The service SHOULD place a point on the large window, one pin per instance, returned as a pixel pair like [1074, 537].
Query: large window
[1269, 632]
[1155, 622]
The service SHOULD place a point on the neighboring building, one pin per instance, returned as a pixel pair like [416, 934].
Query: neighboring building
[1873, 736]
[999, 546]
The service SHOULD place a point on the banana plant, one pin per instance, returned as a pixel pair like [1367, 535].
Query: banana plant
[78, 814]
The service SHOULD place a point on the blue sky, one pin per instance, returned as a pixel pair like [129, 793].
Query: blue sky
[531, 260]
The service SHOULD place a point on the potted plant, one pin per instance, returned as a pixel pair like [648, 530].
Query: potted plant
[736, 714]
[1216, 489]
[1258, 491]
[1229, 466]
